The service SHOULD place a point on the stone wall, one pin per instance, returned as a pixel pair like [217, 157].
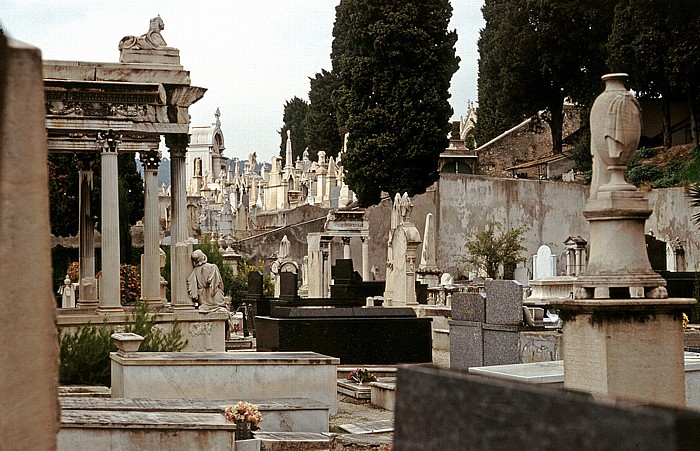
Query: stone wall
[531, 141]
[552, 211]
[464, 205]
[467, 204]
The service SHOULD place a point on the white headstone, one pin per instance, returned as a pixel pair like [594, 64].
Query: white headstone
[544, 264]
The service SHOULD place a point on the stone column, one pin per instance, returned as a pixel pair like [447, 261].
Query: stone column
[150, 265]
[110, 299]
[180, 265]
[325, 279]
[346, 247]
[88, 283]
[411, 277]
[365, 258]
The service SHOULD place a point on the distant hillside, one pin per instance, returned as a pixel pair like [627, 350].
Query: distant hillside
[163, 171]
[659, 168]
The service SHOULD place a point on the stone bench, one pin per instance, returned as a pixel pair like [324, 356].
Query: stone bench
[279, 415]
[228, 375]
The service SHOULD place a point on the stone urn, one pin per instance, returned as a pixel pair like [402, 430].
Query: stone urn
[616, 124]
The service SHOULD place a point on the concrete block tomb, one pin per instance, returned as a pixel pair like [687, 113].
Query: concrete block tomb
[225, 375]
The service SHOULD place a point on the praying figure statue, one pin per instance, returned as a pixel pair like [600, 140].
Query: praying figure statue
[205, 286]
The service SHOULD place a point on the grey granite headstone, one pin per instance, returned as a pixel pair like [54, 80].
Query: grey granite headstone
[468, 307]
[476, 413]
[504, 302]
[288, 285]
[255, 284]
[501, 344]
[466, 344]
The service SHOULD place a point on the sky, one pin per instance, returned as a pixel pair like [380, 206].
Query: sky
[252, 56]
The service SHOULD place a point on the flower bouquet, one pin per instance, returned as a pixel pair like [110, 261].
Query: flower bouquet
[361, 375]
[247, 418]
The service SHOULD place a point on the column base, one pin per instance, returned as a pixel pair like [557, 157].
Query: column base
[119, 309]
[628, 349]
[152, 303]
[88, 303]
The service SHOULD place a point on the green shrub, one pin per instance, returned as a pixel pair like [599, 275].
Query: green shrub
[642, 173]
[154, 339]
[85, 354]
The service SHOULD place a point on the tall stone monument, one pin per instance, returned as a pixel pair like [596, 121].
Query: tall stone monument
[404, 239]
[622, 334]
[29, 357]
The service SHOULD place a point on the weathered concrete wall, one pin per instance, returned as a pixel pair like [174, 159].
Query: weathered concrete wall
[673, 217]
[550, 210]
[463, 206]
[379, 217]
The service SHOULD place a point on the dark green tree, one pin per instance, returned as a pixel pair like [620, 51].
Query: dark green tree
[394, 60]
[683, 58]
[294, 119]
[321, 130]
[533, 54]
[64, 196]
[638, 44]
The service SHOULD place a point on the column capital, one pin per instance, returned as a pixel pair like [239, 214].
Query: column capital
[109, 141]
[86, 161]
[150, 159]
[346, 240]
[177, 143]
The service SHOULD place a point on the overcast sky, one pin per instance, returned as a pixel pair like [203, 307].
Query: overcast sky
[252, 56]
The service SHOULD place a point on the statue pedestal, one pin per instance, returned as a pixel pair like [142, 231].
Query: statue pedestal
[169, 56]
[625, 348]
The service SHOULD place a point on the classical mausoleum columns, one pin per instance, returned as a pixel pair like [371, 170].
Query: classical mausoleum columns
[88, 283]
[110, 299]
[179, 255]
[150, 268]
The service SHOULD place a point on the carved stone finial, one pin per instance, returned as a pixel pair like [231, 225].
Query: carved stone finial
[218, 115]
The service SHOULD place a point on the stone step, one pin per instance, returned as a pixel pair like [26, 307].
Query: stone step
[279, 415]
[85, 391]
[292, 441]
[240, 343]
[369, 427]
[354, 390]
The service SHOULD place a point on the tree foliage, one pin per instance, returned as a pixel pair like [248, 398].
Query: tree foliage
[656, 43]
[694, 196]
[394, 60]
[322, 132]
[64, 196]
[533, 54]
[490, 250]
[294, 118]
